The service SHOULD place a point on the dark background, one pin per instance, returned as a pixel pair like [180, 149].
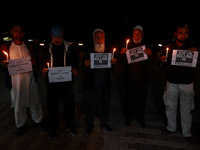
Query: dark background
[117, 19]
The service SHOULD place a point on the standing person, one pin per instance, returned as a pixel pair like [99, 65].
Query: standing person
[24, 90]
[60, 54]
[179, 84]
[136, 78]
[97, 85]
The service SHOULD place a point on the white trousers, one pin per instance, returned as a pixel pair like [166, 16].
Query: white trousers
[36, 114]
[186, 94]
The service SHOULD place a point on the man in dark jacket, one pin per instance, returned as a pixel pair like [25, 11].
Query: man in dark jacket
[60, 54]
[97, 85]
[136, 78]
[179, 84]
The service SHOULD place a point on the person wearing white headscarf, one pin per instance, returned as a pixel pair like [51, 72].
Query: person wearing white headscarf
[97, 85]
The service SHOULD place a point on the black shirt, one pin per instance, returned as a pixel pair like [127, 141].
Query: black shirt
[178, 74]
[58, 55]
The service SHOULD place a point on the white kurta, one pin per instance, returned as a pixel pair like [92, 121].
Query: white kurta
[24, 92]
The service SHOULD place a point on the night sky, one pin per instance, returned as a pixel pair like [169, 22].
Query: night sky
[117, 20]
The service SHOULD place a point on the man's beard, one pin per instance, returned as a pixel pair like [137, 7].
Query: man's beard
[138, 41]
[182, 40]
[100, 48]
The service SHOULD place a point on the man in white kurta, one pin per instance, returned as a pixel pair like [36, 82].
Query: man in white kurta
[24, 92]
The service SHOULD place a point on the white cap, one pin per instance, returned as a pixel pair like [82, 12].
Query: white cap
[138, 27]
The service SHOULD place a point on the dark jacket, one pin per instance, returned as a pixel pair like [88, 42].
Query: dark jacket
[90, 73]
[5, 48]
[135, 72]
[71, 58]
[177, 74]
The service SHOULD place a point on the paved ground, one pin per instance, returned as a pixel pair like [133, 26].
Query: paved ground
[122, 138]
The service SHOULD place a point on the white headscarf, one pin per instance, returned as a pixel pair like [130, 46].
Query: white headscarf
[100, 48]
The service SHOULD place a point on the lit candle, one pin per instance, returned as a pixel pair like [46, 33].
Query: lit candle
[114, 49]
[167, 49]
[127, 41]
[6, 54]
[48, 65]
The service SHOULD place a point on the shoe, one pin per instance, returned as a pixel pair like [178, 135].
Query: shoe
[51, 134]
[128, 122]
[191, 140]
[106, 127]
[41, 126]
[89, 129]
[166, 132]
[73, 131]
[20, 131]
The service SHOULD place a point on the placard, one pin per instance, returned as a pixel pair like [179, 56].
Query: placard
[136, 54]
[100, 60]
[184, 58]
[18, 66]
[60, 74]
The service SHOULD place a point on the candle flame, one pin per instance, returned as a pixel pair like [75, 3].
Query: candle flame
[127, 41]
[167, 48]
[5, 53]
[114, 49]
[48, 65]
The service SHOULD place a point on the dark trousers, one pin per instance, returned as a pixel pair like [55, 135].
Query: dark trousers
[60, 92]
[97, 104]
[135, 101]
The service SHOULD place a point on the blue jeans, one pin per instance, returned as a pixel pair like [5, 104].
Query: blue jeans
[171, 94]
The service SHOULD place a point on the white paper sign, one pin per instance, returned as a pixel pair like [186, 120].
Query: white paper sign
[60, 74]
[17, 66]
[100, 60]
[136, 54]
[184, 58]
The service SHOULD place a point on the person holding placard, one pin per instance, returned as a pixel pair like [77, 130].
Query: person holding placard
[179, 83]
[136, 77]
[57, 59]
[97, 83]
[23, 86]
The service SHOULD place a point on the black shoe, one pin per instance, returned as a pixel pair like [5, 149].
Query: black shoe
[89, 129]
[106, 127]
[41, 126]
[191, 140]
[128, 122]
[166, 132]
[20, 131]
[51, 134]
[72, 130]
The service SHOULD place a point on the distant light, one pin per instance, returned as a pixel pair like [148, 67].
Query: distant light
[30, 40]
[160, 45]
[80, 44]
[7, 39]
[41, 44]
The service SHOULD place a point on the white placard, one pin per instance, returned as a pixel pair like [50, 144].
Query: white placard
[60, 74]
[136, 54]
[18, 66]
[100, 60]
[184, 58]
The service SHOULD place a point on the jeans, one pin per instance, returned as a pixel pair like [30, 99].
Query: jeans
[186, 94]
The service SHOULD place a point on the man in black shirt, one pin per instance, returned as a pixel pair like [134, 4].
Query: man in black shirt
[179, 84]
[60, 54]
